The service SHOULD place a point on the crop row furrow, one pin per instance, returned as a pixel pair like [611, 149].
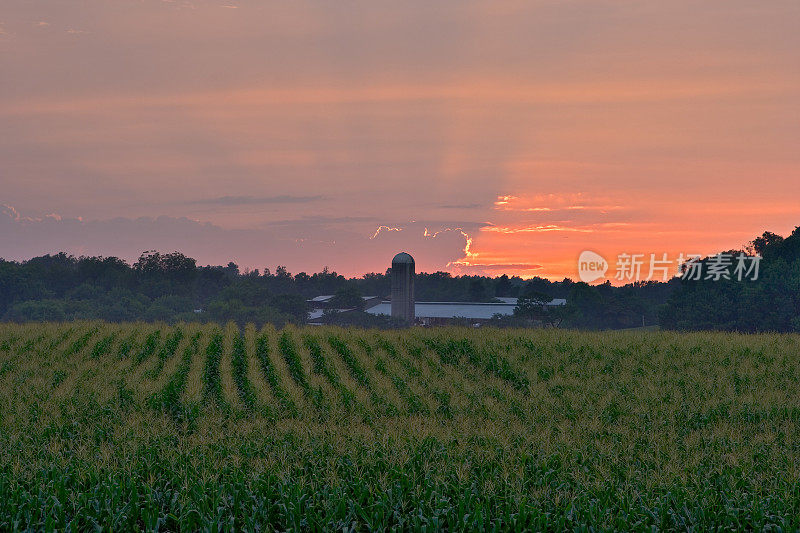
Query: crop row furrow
[79, 344]
[166, 352]
[271, 375]
[412, 373]
[148, 348]
[288, 349]
[212, 384]
[360, 374]
[127, 344]
[349, 401]
[413, 402]
[168, 398]
[103, 346]
[453, 352]
[247, 393]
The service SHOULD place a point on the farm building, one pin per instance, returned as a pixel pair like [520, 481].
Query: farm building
[326, 301]
[402, 306]
[432, 313]
[319, 304]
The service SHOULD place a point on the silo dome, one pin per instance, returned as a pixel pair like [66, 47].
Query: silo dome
[403, 257]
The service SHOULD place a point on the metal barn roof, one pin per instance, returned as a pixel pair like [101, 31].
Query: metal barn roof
[326, 297]
[457, 309]
[449, 309]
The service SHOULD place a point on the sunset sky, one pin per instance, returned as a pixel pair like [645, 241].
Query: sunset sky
[489, 137]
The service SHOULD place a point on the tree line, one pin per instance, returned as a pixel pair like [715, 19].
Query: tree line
[771, 302]
[171, 287]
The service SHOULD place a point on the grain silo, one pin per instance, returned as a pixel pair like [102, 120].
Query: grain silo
[403, 288]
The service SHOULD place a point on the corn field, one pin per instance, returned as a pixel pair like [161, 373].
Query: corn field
[200, 427]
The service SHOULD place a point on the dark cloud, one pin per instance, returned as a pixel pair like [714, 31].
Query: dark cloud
[319, 219]
[522, 267]
[461, 206]
[466, 225]
[255, 200]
